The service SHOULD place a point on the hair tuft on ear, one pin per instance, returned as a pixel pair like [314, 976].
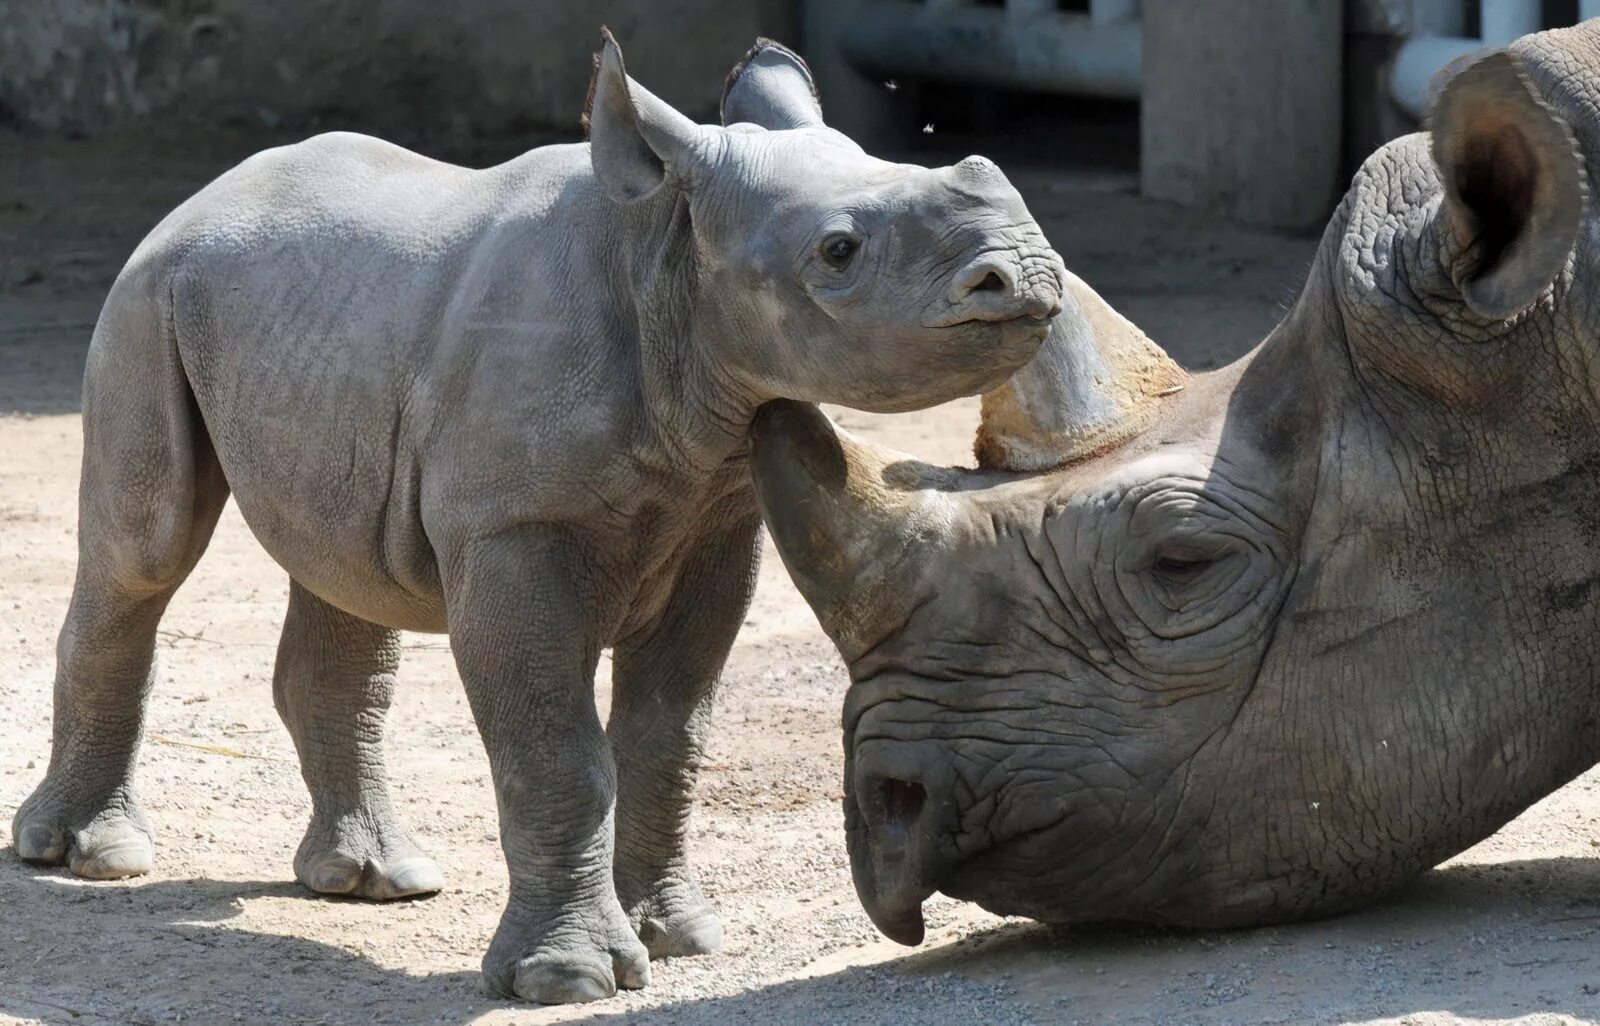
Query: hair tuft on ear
[634, 136]
[588, 99]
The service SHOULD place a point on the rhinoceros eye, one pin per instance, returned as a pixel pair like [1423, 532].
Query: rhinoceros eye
[838, 249]
[1180, 567]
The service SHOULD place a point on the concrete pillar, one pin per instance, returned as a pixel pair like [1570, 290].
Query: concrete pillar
[1505, 20]
[1241, 107]
[1438, 17]
[1104, 12]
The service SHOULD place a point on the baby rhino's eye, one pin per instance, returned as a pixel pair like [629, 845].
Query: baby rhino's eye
[838, 249]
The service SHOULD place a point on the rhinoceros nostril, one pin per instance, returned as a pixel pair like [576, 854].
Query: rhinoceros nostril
[902, 800]
[991, 282]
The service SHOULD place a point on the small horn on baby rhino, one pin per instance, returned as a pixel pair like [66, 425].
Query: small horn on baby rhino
[1095, 382]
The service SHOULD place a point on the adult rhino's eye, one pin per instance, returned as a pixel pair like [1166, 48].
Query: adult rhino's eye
[838, 249]
[1180, 567]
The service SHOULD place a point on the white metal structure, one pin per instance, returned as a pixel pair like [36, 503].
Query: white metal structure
[1246, 105]
[1030, 44]
[1437, 37]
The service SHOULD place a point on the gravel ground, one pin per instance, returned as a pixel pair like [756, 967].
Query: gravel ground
[221, 934]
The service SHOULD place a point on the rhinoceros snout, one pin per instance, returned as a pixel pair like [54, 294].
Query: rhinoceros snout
[1003, 285]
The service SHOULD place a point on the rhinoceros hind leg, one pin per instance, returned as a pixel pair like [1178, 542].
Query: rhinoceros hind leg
[151, 492]
[332, 685]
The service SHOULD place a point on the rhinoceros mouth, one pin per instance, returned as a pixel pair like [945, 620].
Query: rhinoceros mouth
[1023, 325]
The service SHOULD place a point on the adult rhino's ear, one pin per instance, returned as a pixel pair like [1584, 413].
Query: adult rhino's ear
[1514, 185]
[634, 137]
[771, 87]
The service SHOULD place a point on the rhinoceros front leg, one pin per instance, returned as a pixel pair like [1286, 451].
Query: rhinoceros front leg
[663, 685]
[524, 625]
[333, 684]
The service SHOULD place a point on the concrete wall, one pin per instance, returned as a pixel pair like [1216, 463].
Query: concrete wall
[402, 66]
[1235, 125]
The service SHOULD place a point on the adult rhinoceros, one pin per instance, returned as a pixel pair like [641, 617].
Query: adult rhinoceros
[1272, 640]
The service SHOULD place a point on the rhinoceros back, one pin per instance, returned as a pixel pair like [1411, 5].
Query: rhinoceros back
[318, 295]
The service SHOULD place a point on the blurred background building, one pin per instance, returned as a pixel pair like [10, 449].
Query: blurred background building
[1257, 109]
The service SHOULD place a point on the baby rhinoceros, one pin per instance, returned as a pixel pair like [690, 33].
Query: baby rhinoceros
[510, 404]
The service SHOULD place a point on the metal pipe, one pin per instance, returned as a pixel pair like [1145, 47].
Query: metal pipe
[1417, 62]
[1438, 17]
[1422, 56]
[1054, 52]
[1502, 21]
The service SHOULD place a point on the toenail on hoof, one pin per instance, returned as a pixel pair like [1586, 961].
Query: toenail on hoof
[334, 876]
[633, 975]
[412, 878]
[39, 843]
[558, 983]
[700, 937]
[116, 862]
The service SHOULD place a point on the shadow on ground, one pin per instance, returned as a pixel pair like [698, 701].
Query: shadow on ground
[1483, 941]
[59, 932]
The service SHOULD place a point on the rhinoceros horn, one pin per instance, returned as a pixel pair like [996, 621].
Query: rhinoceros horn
[1095, 382]
[848, 517]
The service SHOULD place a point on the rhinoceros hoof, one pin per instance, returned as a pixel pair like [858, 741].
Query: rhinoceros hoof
[108, 842]
[680, 938]
[378, 865]
[583, 958]
[677, 921]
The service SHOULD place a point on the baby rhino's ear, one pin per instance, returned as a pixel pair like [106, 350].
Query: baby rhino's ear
[634, 137]
[773, 88]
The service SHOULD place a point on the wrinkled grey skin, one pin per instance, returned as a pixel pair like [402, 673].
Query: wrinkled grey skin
[1331, 618]
[510, 404]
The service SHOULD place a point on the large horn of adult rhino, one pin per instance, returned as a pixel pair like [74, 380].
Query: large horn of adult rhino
[1094, 383]
[845, 514]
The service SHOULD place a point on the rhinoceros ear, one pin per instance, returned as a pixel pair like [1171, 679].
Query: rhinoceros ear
[771, 87]
[634, 137]
[1514, 185]
[1096, 381]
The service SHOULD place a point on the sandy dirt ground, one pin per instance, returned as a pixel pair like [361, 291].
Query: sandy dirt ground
[220, 933]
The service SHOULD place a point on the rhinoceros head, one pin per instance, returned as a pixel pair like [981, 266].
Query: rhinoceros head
[821, 273]
[1261, 643]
